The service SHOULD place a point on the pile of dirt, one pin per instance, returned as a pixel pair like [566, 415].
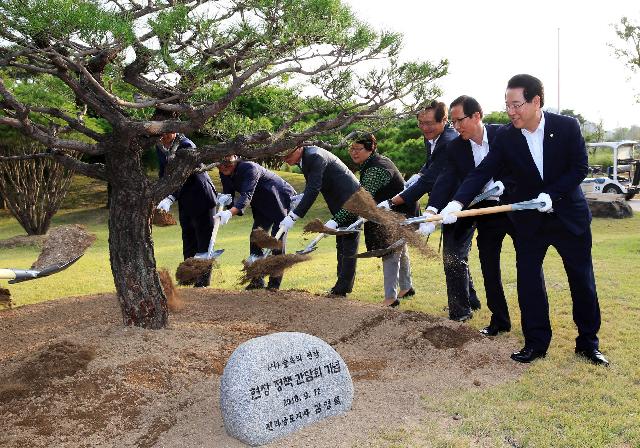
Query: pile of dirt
[23, 241]
[73, 376]
[362, 204]
[162, 218]
[64, 243]
[263, 240]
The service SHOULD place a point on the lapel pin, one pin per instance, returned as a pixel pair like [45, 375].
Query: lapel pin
[550, 135]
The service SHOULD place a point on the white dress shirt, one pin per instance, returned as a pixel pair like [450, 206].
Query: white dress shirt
[480, 151]
[535, 141]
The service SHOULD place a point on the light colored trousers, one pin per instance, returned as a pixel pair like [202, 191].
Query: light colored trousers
[396, 269]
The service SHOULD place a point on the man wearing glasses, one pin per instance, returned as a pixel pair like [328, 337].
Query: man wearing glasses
[547, 157]
[465, 153]
[269, 195]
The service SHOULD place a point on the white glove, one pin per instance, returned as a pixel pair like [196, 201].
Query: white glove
[498, 184]
[288, 221]
[224, 216]
[548, 204]
[426, 228]
[412, 180]
[331, 224]
[447, 217]
[165, 204]
[386, 205]
[224, 199]
[295, 200]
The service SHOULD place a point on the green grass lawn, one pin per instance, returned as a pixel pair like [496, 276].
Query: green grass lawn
[559, 402]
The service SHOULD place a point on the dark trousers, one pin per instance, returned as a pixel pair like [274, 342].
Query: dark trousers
[456, 245]
[492, 230]
[254, 249]
[346, 251]
[196, 234]
[575, 251]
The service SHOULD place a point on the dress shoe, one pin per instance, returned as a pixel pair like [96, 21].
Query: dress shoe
[475, 304]
[463, 318]
[395, 304]
[594, 356]
[528, 354]
[333, 293]
[492, 330]
[410, 293]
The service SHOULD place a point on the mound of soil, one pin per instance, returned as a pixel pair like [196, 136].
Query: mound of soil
[73, 376]
[64, 243]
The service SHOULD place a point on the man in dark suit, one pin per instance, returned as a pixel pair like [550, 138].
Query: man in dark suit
[464, 153]
[437, 134]
[547, 157]
[196, 202]
[269, 196]
[325, 173]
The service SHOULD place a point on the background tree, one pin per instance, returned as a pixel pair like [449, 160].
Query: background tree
[496, 117]
[131, 63]
[628, 46]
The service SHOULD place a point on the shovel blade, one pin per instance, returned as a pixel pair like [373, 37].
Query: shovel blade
[205, 256]
[306, 250]
[382, 252]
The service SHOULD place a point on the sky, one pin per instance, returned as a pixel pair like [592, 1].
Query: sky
[487, 42]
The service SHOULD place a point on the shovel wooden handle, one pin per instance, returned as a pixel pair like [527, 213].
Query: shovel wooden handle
[7, 274]
[475, 212]
[214, 232]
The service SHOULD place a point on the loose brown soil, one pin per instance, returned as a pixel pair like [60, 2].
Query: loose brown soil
[163, 219]
[73, 376]
[174, 302]
[362, 204]
[317, 226]
[265, 241]
[64, 243]
[191, 269]
[5, 298]
[272, 265]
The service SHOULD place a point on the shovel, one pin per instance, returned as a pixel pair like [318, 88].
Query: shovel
[211, 254]
[353, 228]
[23, 275]
[524, 205]
[382, 252]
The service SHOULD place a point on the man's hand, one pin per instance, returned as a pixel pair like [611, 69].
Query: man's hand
[288, 221]
[426, 228]
[166, 203]
[500, 186]
[412, 180]
[446, 213]
[331, 224]
[295, 200]
[224, 216]
[385, 205]
[548, 204]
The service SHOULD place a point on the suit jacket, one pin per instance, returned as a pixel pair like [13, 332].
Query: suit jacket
[434, 165]
[268, 193]
[198, 194]
[459, 163]
[326, 174]
[564, 167]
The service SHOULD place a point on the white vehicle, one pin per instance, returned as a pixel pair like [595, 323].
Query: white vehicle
[622, 175]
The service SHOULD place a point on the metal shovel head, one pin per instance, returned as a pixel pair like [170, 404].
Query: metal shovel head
[482, 196]
[528, 205]
[382, 252]
[307, 250]
[205, 256]
[344, 231]
[31, 274]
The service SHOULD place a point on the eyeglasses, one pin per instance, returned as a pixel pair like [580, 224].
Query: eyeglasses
[458, 121]
[428, 124]
[356, 149]
[514, 107]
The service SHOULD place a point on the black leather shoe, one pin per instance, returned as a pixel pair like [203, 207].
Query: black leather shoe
[333, 293]
[463, 318]
[410, 293]
[491, 330]
[475, 305]
[395, 304]
[594, 356]
[527, 355]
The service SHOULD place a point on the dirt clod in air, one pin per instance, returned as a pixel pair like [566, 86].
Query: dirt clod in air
[174, 302]
[317, 226]
[362, 204]
[5, 298]
[191, 269]
[163, 219]
[273, 266]
[265, 241]
[64, 243]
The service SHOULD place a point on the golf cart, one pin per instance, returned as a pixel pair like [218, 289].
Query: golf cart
[622, 172]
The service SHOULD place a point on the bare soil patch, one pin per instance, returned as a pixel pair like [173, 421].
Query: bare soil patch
[73, 376]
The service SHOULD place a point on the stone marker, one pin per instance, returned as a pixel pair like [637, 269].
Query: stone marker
[276, 384]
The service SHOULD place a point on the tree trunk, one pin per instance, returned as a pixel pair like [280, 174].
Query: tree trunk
[133, 264]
